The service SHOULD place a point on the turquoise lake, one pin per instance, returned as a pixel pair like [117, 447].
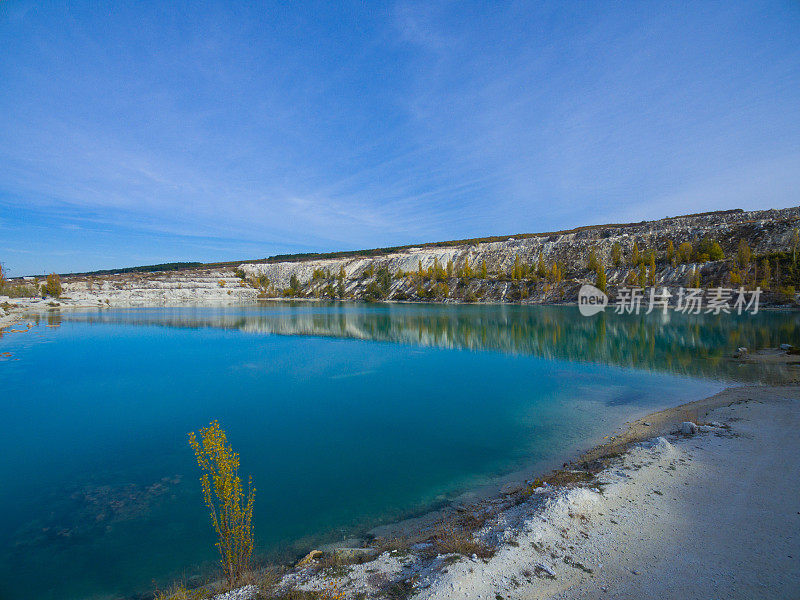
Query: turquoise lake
[346, 415]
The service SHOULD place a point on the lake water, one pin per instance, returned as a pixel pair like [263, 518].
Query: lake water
[346, 415]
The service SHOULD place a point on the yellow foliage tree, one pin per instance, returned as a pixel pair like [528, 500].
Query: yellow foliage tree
[651, 274]
[600, 283]
[230, 508]
[53, 285]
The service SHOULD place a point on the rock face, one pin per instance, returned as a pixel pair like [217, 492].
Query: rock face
[166, 288]
[391, 275]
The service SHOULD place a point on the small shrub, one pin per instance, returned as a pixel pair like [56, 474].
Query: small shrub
[18, 291]
[230, 508]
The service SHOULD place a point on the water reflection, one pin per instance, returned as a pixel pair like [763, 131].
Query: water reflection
[698, 345]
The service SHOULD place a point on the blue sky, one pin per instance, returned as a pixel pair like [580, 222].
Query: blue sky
[144, 132]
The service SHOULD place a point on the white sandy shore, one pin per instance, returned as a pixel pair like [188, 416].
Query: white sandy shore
[712, 515]
[716, 515]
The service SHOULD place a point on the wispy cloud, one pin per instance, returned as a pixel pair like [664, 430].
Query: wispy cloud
[203, 135]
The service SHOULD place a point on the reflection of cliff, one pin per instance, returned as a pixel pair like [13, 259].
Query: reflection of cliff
[695, 345]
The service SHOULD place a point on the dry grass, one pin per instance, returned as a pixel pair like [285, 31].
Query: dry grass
[562, 477]
[393, 544]
[399, 590]
[330, 593]
[454, 538]
[265, 579]
[179, 591]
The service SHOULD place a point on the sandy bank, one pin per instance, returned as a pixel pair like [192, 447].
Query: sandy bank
[715, 514]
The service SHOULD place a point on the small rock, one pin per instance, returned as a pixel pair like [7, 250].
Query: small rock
[716, 424]
[646, 424]
[786, 347]
[740, 352]
[310, 558]
[543, 567]
[688, 428]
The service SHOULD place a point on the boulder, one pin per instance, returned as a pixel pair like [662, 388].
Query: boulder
[786, 347]
[688, 428]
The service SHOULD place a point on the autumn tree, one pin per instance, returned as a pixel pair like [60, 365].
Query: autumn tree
[685, 252]
[340, 282]
[600, 282]
[52, 286]
[516, 270]
[483, 269]
[694, 280]
[635, 258]
[766, 274]
[555, 273]
[670, 252]
[652, 268]
[466, 270]
[743, 255]
[709, 249]
[616, 254]
[230, 506]
[592, 263]
[541, 268]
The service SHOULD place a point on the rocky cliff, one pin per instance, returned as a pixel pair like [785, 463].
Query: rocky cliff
[532, 268]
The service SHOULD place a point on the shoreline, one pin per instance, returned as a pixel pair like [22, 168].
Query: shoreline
[441, 558]
[544, 500]
[15, 309]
